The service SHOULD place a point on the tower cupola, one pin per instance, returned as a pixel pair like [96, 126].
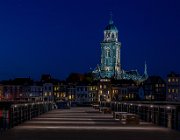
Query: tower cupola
[111, 32]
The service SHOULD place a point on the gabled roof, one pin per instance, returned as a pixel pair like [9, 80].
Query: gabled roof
[173, 74]
[154, 79]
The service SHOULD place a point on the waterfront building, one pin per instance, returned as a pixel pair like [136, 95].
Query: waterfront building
[71, 92]
[104, 90]
[48, 91]
[16, 89]
[82, 93]
[93, 92]
[124, 90]
[56, 91]
[155, 89]
[173, 87]
[35, 92]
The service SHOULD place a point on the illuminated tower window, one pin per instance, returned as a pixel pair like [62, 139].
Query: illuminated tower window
[108, 53]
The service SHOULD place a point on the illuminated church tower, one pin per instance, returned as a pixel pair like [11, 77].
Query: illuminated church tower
[110, 66]
[110, 52]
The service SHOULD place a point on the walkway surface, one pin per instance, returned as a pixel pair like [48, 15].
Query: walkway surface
[85, 123]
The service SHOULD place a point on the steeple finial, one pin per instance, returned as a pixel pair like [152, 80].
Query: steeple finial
[111, 15]
[145, 69]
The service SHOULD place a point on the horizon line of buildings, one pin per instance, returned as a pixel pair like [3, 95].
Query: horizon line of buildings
[81, 91]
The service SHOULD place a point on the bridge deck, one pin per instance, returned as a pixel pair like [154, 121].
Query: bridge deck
[84, 123]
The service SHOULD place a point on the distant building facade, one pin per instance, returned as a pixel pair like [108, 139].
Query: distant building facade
[89, 92]
[124, 90]
[93, 92]
[104, 90]
[48, 92]
[82, 93]
[173, 87]
[155, 89]
[117, 90]
[36, 92]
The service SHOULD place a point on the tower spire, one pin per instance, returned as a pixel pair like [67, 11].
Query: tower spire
[110, 20]
[145, 69]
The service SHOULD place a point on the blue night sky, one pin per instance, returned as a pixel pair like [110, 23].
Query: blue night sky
[63, 36]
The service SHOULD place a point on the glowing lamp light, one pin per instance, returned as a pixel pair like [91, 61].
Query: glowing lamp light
[168, 107]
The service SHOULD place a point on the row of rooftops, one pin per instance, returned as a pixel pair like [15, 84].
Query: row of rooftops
[173, 74]
[81, 81]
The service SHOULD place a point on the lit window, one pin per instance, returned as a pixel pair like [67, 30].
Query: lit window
[177, 80]
[169, 90]
[173, 90]
[104, 86]
[169, 80]
[100, 91]
[69, 97]
[156, 85]
[100, 86]
[173, 79]
[108, 53]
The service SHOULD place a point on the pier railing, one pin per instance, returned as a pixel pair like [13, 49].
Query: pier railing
[14, 114]
[165, 114]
